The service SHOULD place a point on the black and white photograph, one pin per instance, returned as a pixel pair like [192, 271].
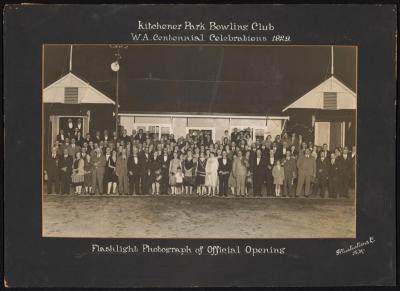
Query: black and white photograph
[199, 141]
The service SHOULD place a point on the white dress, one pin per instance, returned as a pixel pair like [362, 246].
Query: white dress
[212, 172]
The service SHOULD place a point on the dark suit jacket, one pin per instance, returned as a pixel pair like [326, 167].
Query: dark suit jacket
[290, 168]
[259, 170]
[59, 138]
[334, 170]
[66, 162]
[322, 168]
[144, 163]
[346, 165]
[141, 137]
[164, 164]
[224, 168]
[51, 165]
[132, 166]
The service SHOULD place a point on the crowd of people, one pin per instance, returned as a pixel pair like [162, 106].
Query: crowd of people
[235, 165]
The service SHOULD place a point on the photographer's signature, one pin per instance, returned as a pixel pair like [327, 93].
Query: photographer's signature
[356, 249]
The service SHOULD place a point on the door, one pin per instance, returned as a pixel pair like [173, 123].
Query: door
[335, 135]
[322, 133]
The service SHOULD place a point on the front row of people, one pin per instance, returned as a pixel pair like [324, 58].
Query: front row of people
[159, 173]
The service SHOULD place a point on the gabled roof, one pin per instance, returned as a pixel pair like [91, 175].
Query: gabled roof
[346, 98]
[54, 93]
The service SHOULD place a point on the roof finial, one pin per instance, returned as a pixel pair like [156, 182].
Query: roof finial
[70, 58]
[332, 66]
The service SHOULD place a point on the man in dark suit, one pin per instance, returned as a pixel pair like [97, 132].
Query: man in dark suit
[259, 172]
[144, 165]
[346, 164]
[97, 137]
[99, 164]
[234, 135]
[334, 176]
[289, 167]
[325, 151]
[322, 174]
[134, 172]
[281, 150]
[224, 169]
[70, 126]
[125, 137]
[52, 171]
[61, 136]
[271, 159]
[65, 165]
[140, 136]
[164, 160]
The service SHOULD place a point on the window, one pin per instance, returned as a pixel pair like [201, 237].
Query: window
[165, 131]
[330, 100]
[158, 130]
[210, 131]
[71, 95]
[259, 133]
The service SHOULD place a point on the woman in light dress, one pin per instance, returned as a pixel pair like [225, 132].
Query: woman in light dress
[173, 169]
[78, 173]
[212, 174]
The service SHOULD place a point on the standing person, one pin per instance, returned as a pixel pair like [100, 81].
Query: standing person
[87, 183]
[188, 167]
[52, 171]
[121, 171]
[201, 174]
[73, 148]
[173, 169]
[322, 175]
[99, 164]
[110, 174]
[306, 166]
[270, 179]
[212, 174]
[164, 162]
[239, 171]
[144, 165]
[249, 176]
[231, 179]
[61, 136]
[65, 165]
[224, 169]
[279, 175]
[289, 168]
[155, 169]
[134, 172]
[353, 162]
[78, 173]
[334, 176]
[346, 164]
[259, 173]
[178, 181]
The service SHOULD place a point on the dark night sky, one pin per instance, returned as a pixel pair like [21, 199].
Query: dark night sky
[252, 80]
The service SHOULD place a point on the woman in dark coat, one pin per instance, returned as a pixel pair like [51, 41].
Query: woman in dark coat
[111, 176]
[201, 174]
[188, 170]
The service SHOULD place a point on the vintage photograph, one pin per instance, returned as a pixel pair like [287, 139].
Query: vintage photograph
[199, 141]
